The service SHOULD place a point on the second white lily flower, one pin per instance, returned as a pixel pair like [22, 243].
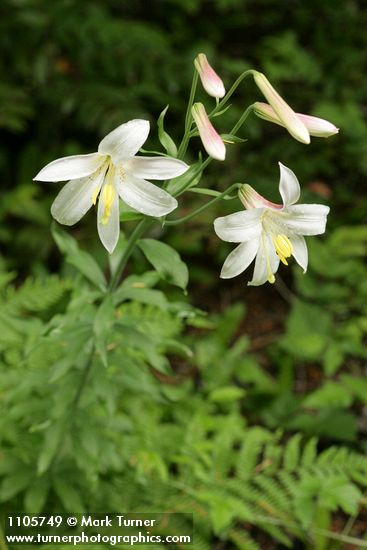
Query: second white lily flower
[270, 232]
[113, 171]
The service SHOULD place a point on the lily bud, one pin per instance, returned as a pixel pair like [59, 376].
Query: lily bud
[252, 199]
[286, 115]
[317, 127]
[211, 82]
[212, 142]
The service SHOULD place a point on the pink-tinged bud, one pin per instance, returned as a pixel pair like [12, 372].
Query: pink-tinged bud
[213, 143]
[211, 82]
[317, 127]
[288, 117]
[252, 199]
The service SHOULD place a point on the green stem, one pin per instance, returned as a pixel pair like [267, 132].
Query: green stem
[188, 118]
[231, 91]
[134, 237]
[202, 208]
[242, 119]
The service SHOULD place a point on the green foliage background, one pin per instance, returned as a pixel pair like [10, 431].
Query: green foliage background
[264, 442]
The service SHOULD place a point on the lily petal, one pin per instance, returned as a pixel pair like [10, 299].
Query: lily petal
[267, 262]
[109, 230]
[240, 226]
[289, 187]
[156, 168]
[300, 251]
[145, 197]
[75, 199]
[125, 141]
[239, 259]
[68, 168]
[305, 219]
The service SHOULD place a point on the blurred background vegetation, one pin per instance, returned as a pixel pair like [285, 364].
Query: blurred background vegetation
[72, 70]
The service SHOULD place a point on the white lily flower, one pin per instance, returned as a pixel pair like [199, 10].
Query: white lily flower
[212, 83]
[113, 171]
[287, 116]
[317, 127]
[270, 232]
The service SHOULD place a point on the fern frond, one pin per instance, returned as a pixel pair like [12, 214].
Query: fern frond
[35, 295]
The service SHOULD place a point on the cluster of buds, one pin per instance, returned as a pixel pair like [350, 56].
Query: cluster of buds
[300, 126]
[268, 233]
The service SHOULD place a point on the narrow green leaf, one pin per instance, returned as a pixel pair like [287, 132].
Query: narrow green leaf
[102, 326]
[164, 137]
[52, 439]
[203, 191]
[68, 495]
[36, 495]
[230, 138]
[15, 483]
[166, 261]
[84, 262]
[221, 112]
[142, 295]
[226, 394]
[189, 179]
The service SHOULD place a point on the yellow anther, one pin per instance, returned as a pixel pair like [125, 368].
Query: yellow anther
[108, 195]
[271, 278]
[283, 247]
[95, 195]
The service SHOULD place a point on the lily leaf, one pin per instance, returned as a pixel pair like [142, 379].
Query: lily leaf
[230, 138]
[165, 138]
[166, 261]
[84, 262]
[189, 179]
[221, 112]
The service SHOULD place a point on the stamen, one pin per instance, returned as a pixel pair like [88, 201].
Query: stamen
[283, 247]
[271, 278]
[108, 195]
[103, 168]
[95, 195]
